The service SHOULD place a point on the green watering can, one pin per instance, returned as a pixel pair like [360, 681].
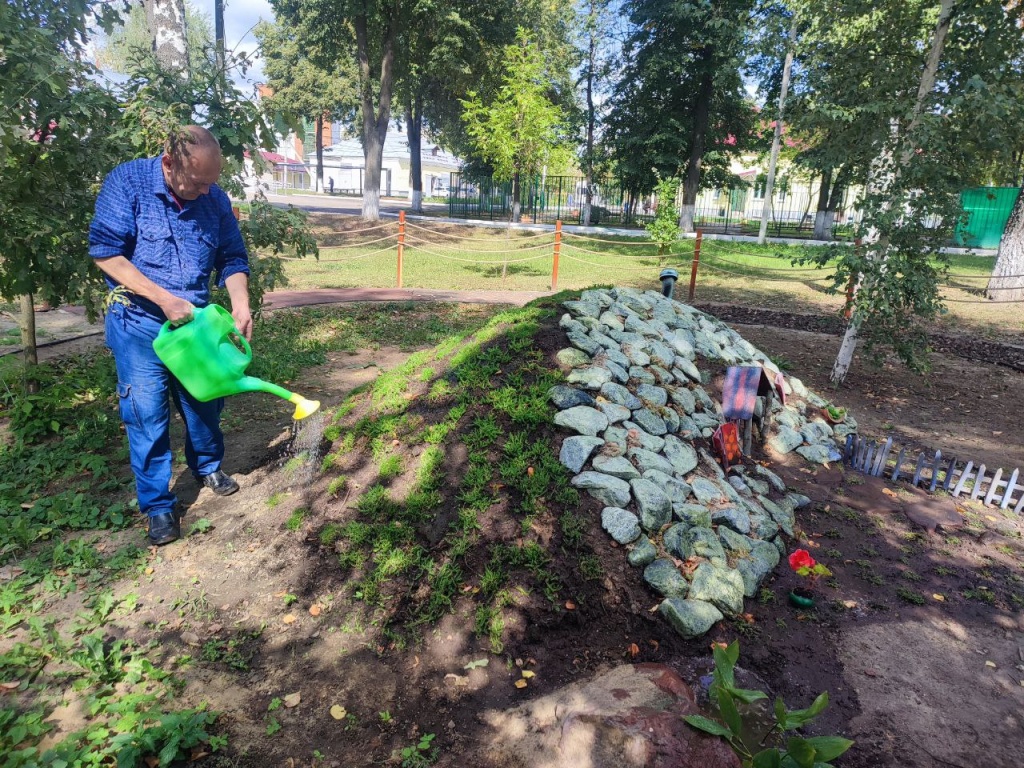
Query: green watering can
[203, 356]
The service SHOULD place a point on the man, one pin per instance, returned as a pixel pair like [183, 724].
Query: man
[162, 227]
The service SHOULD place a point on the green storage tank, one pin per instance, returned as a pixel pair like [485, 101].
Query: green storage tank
[988, 209]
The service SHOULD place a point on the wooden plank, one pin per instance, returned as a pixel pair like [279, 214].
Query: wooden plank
[1020, 504]
[950, 470]
[963, 478]
[1010, 485]
[978, 482]
[866, 464]
[848, 452]
[994, 486]
[861, 450]
[918, 468]
[935, 471]
[879, 466]
[899, 464]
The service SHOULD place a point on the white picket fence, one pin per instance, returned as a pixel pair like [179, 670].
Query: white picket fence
[873, 458]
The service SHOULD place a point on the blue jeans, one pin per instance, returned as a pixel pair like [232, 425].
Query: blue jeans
[143, 387]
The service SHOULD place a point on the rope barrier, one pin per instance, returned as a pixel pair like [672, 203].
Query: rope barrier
[767, 279]
[366, 229]
[475, 261]
[360, 245]
[752, 266]
[547, 246]
[332, 261]
[601, 240]
[979, 301]
[983, 276]
[409, 225]
[628, 269]
[606, 253]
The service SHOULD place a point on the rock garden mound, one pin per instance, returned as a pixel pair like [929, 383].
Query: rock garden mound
[639, 368]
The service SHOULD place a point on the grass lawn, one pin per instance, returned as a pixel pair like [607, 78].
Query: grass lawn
[442, 256]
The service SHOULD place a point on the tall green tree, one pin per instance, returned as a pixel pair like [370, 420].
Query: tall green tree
[680, 106]
[56, 143]
[521, 131]
[367, 30]
[302, 86]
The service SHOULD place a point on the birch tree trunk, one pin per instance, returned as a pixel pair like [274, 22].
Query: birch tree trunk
[588, 180]
[166, 21]
[375, 117]
[1007, 281]
[879, 245]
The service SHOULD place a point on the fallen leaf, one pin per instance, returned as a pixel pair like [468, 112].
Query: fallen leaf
[190, 638]
[477, 663]
[528, 674]
[520, 683]
[396, 442]
[990, 664]
[849, 604]
[888, 492]
[9, 572]
[940, 598]
[529, 471]
[314, 610]
[338, 712]
[198, 754]
[633, 650]
[289, 618]
[292, 700]
[991, 519]
[152, 761]
[722, 646]
[654, 644]
[871, 672]
[150, 571]
[570, 605]
[280, 594]
[997, 433]
[12, 685]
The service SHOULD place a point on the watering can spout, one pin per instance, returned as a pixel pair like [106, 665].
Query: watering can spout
[209, 357]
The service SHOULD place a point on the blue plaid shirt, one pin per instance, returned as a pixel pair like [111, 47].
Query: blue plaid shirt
[178, 248]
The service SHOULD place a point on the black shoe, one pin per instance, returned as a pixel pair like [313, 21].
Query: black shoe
[164, 528]
[219, 483]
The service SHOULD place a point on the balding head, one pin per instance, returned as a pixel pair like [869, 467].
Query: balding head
[191, 162]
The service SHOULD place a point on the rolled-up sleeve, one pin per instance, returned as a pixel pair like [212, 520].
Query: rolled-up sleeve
[232, 257]
[112, 231]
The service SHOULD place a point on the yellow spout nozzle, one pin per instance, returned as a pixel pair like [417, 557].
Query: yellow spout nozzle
[303, 407]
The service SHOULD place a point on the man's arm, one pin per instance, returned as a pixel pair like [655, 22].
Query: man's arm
[122, 271]
[238, 289]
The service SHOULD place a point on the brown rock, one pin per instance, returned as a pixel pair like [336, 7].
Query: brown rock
[630, 717]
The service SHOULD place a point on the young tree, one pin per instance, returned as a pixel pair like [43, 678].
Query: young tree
[521, 131]
[55, 143]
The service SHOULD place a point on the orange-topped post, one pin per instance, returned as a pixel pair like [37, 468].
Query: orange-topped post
[401, 244]
[558, 250]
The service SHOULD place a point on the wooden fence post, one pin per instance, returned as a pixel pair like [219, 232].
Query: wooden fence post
[558, 250]
[696, 263]
[401, 244]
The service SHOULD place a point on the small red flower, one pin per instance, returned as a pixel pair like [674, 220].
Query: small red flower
[801, 558]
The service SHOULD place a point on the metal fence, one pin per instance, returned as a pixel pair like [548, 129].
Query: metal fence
[729, 211]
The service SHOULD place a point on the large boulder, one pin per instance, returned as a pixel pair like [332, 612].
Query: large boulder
[690, 618]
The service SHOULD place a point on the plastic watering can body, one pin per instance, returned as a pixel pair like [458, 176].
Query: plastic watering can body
[209, 357]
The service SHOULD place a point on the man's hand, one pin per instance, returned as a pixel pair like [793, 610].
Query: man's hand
[243, 320]
[178, 310]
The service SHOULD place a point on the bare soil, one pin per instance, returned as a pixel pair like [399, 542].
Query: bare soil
[918, 637]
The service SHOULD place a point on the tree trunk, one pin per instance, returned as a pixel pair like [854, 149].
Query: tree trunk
[701, 116]
[881, 244]
[319, 143]
[517, 205]
[218, 37]
[773, 160]
[375, 119]
[166, 21]
[1007, 281]
[821, 231]
[28, 341]
[588, 178]
[414, 126]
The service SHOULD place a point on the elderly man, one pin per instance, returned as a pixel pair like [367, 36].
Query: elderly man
[162, 227]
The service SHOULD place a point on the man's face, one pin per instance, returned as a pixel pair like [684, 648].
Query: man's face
[192, 176]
